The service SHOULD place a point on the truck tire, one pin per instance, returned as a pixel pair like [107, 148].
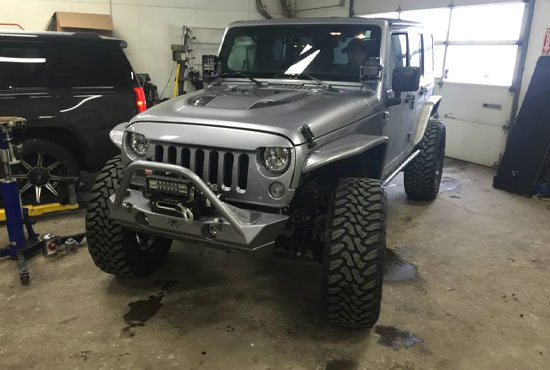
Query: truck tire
[114, 249]
[354, 252]
[423, 174]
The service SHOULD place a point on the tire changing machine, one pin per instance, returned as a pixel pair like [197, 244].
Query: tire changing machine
[20, 246]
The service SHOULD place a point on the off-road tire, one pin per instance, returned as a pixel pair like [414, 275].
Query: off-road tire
[354, 253]
[114, 249]
[423, 174]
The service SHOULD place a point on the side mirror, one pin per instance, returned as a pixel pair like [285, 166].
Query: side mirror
[370, 70]
[405, 79]
[209, 67]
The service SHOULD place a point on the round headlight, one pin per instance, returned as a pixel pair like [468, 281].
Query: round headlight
[276, 159]
[139, 144]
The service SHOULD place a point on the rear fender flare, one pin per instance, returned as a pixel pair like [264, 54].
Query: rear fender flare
[428, 110]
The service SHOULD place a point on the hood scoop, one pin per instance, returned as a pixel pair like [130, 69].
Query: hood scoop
[202, 100]
[246, 99]
[267, 103]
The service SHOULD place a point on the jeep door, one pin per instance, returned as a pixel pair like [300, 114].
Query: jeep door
[398, 117]
[421, 56]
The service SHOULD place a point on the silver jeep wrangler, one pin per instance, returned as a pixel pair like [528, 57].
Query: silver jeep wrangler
[290, 147]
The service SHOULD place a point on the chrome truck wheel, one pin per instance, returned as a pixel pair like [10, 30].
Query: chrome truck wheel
[44, 172]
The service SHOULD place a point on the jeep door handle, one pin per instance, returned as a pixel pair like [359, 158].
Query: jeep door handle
[409, 99]
[386, 117]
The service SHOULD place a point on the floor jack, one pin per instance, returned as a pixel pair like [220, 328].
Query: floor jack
[20, 246]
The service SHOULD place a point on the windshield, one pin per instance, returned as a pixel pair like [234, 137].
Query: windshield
[327, 52]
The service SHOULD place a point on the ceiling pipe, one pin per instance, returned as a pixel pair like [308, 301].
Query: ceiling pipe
[287, 9]
[263, 9]
[12, 24]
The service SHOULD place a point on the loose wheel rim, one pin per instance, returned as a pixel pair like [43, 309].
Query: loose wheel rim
[41, 171]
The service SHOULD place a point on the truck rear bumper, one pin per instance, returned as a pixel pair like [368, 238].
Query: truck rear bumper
[230, 227]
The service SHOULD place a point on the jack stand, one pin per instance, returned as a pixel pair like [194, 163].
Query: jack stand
[20, 247]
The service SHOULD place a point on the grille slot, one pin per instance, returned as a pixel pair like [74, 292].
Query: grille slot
[199, 163]
[227, 169]
[243, 171]
[159, 153]
[213, 167]
[185, 157]
[172, 153]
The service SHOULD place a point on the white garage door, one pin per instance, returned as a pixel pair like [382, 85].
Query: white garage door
[476, 117]
[475, 56]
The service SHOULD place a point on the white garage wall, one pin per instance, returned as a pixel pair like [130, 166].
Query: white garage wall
[322, 8]
[149, 26]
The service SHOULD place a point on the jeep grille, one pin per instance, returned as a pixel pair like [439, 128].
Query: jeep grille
[229, 170]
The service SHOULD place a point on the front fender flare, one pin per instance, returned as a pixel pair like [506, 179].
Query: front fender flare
[342, 148]
[428, 109]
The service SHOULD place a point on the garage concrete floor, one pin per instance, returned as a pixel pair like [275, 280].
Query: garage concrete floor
[467, 288]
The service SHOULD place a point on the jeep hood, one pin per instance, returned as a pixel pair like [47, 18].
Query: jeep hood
[282, 111]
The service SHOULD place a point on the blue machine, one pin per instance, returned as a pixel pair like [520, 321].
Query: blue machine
[20, 246]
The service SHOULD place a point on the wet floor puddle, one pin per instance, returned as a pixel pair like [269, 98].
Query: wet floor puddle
[449, 184]
[396, 268]
[143, 310]
[395, 338]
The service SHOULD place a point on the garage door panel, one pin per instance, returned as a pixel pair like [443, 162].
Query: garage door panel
[474, 142]
[476, 117]
[476, 103]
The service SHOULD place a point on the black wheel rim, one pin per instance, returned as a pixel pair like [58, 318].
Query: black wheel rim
[39, 173]
[145, 242]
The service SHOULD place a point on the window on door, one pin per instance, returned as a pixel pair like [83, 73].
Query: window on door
[399, 55]
[415, 44]
[475, 44]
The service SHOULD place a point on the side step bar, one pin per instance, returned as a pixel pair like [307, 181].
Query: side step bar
[392, 175]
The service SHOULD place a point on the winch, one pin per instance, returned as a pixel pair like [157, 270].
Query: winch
[177, 197]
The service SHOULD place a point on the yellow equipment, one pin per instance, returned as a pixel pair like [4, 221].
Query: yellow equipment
[43, 209]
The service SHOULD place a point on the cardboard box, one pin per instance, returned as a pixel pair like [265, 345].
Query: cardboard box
[101, 24]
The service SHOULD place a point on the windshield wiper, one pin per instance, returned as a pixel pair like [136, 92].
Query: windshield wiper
[241, 74]
[327, 86]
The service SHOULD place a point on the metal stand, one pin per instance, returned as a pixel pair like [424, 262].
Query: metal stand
[20, 246]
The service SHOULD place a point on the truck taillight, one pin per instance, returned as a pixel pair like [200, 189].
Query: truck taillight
[140, 99]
